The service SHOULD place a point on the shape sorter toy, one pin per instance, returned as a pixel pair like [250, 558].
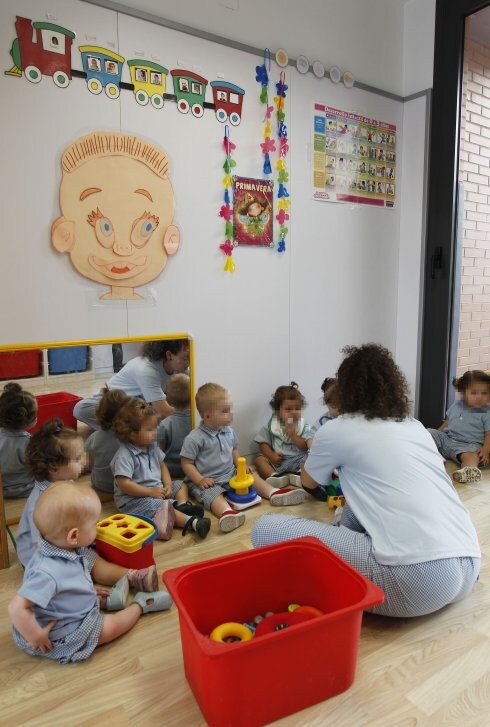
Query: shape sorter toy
[126, 540]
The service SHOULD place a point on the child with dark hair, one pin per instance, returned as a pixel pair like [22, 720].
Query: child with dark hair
[403, 525]
[330, 398]
[56, 612]
[174, 429]
[143, 485]
[103, 444]
[464, 436]
[55, 453]
[284, 441]
[18, 412]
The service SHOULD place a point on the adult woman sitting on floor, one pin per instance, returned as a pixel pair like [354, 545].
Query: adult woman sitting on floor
[403, 525]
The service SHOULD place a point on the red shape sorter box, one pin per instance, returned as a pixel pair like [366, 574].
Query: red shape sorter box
[254, 682]
[126, 540]
[59, 404]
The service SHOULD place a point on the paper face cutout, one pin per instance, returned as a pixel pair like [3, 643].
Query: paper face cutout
[117, 206]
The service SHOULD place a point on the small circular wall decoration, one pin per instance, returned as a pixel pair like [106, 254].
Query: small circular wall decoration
[318, 69]
[348, 79]
[282, 58]
[335, 74]
[302, 64]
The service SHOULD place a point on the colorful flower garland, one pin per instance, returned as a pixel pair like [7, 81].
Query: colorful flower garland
[284, 201]
[269, 144]
[226, 211]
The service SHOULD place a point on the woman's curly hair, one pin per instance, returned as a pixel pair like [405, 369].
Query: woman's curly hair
[130, 417]
[370, 383]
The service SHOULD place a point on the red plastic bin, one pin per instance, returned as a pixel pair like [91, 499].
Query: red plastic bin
[59, 404]
[20, 364]
[258, 681]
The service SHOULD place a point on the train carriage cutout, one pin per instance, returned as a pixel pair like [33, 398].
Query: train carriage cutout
[41, 49]
[228, 100]
[103, 69]
[190, 90]
[149, 80]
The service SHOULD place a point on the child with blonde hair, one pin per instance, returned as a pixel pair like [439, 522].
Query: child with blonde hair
[56, 613]
[464, 436]
[143, 485]
[55, 453]
[174, 429]
[18, 412]
[209, 459]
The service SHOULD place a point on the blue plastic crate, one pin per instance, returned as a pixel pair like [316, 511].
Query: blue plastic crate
[68, 360]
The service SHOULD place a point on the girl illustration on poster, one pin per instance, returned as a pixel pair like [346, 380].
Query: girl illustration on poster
[252, 211]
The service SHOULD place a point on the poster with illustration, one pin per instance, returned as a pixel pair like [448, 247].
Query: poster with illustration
[252, 211]
[354, 158]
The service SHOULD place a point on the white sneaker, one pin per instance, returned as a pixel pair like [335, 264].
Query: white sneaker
[230, 520]
[278, 480]
[467, 474]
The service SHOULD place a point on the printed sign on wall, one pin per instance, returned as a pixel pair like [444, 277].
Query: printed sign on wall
[354, 158]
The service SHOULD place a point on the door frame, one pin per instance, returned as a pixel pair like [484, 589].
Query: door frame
[442, 208]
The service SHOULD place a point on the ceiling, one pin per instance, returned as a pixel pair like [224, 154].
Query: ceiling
[480, 26]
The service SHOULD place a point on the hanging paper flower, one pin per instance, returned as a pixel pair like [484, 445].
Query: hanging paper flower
[261, 75]
[226, 212]
[282, 216]
[281, 89]
[268, 145]
[268, 112]
[228, 145]
[281, 245]
[283, 204]
[227, 247]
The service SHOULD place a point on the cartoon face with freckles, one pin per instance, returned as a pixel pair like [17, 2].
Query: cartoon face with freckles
[117, 207]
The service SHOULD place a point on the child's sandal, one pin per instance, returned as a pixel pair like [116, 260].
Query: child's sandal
[150, 602]
[116, 600]
[466, 475]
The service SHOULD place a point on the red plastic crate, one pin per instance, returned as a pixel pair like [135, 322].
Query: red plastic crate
[20, 364]
[258, 681]
[59, 404]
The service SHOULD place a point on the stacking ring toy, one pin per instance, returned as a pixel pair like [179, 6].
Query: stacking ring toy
[230, 632]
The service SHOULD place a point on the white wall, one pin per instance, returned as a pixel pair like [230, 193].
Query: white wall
[276, 318]
[418, 45]
[363, 36]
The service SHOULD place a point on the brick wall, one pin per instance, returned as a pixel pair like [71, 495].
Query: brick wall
[474, 327]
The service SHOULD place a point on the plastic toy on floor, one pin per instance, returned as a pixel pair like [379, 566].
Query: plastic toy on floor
[242, 494]
[126, 540]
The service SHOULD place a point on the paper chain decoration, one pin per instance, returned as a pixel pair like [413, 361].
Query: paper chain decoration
[226, 211]
[269, 144]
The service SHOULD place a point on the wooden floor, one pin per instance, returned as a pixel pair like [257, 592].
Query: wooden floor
[432, 671]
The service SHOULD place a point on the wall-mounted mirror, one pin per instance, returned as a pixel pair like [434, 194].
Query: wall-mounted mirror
[63, 372]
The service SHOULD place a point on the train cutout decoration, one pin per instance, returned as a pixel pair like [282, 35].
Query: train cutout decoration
[44, 49]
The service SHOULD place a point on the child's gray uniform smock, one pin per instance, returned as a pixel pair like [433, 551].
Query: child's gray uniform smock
[28, 535]
[212, 454]
[16, 480]
[59, 584]
[170, 437]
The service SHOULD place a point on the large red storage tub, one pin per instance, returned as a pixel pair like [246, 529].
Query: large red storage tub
[258, 681]
[59, 404]
[20, 364]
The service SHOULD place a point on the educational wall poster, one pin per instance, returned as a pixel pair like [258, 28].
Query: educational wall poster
[354, 158]
[252, 211]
